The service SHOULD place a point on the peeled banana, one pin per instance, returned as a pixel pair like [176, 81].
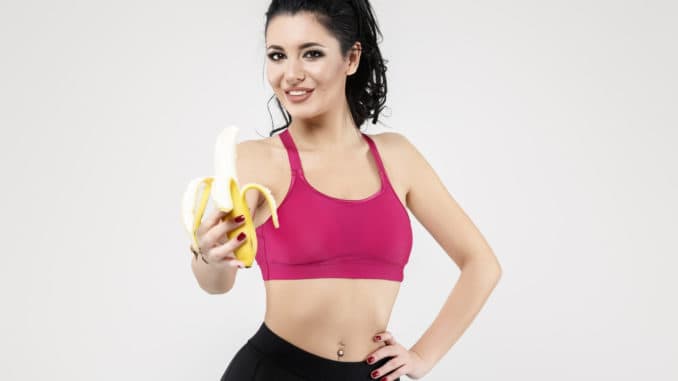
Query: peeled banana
[227, 195]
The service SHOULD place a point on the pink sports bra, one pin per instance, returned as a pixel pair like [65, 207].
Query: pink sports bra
[321, 236]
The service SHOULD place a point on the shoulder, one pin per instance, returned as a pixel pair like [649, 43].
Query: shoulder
[398, 148]
[390, 140]
[254, 162]
[246, 152]
[255, 151]
[400, 156]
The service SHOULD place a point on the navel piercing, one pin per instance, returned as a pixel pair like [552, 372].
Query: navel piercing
[340, 352]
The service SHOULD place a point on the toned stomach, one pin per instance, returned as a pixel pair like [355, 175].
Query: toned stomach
[324, 315]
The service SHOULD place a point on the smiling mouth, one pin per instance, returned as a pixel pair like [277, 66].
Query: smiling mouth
[298, 96]
[298, 92]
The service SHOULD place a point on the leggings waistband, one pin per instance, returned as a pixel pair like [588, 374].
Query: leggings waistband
[307, 364]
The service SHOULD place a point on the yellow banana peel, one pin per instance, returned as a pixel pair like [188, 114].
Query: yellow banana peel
[228, 197]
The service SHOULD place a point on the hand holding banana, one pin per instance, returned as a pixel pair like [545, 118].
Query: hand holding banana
[230, 201]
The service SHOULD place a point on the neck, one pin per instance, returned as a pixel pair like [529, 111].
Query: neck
[333, 131]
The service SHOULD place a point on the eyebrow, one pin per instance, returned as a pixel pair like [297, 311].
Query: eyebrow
[302, 46]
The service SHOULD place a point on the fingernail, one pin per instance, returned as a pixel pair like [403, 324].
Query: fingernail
[240, 218]
[377, 338]
[375, 373]
[241, 236]
[370, 359]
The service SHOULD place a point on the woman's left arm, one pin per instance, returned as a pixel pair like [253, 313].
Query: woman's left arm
[435, 208]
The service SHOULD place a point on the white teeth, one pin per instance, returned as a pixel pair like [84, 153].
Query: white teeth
[298, 92]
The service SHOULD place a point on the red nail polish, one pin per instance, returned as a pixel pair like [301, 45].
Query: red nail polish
[370, 359]
[240, 218]
[375, 373]
[377, 338]
[383, 379]
[241, 236]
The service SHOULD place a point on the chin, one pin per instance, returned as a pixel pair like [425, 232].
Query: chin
[306, 110]
[299, 112]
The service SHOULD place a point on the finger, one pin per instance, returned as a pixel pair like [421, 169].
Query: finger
[382, 354]
[383, 336]
[213, 218]
[215, 256]
[229, 259]
[400, 370]
[232, 262]
[222, 252]
[391, 362]
[236, 263]
[218, 234]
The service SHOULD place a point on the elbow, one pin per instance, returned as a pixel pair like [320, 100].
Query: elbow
[494, 269]
[491, 265]
[497, 269]
[488, 268]
[497, 275]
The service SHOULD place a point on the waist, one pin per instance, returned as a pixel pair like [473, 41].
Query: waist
[322, 316]
[290, 359]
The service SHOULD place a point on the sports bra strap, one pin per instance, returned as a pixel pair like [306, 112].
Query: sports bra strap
[377, 157]
[295, 161]
[292, 154]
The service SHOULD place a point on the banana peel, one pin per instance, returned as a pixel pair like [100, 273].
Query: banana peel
[228, 197]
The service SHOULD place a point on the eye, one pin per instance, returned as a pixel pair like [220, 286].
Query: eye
[272, 55]
[319, 53]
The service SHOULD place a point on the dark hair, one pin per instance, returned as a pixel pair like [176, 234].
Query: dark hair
[348, 21]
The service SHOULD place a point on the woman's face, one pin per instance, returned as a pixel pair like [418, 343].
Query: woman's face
[301, 53]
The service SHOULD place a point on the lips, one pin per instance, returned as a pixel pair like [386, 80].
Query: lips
[298, 98]
[297, 89]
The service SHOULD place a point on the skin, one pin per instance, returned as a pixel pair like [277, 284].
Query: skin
[349, 313]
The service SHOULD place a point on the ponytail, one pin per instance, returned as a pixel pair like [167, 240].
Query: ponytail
[366, 89]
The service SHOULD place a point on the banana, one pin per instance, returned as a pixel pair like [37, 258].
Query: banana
[228, 197]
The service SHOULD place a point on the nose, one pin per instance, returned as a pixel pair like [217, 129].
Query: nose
[294, 72]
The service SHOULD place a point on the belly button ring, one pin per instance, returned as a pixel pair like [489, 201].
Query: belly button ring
[340, 352]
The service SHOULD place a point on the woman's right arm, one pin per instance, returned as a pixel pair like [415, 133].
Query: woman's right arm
[218, 276]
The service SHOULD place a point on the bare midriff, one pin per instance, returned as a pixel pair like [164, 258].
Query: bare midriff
[333, 318]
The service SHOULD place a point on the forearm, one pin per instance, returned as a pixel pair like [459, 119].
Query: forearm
[212, 278]
[476, 282]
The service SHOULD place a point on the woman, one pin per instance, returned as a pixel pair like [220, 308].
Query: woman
[333, 268]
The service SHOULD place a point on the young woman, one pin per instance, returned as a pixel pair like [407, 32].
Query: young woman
[333, 268]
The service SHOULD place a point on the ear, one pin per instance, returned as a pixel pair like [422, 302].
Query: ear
[354, 58]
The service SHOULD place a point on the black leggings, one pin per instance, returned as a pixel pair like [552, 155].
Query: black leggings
[268, 357]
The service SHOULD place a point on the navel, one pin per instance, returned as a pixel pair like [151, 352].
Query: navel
[340, 351]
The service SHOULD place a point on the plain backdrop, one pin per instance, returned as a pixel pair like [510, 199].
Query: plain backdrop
[552, 123]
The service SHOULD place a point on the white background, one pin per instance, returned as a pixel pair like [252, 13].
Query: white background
[552, 123]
